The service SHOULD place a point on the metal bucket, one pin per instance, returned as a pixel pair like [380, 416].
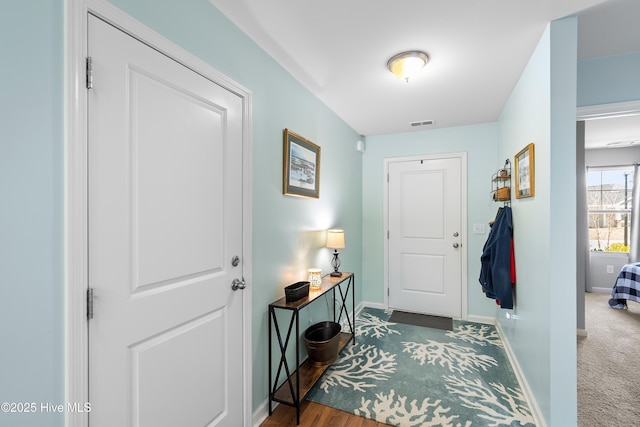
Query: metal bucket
[322, 341]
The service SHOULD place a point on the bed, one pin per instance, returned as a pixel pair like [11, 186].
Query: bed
[627, 286]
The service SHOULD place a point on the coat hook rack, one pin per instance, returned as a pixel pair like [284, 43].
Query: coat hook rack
[501, 184]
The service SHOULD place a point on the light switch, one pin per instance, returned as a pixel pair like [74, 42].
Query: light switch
[478, 229]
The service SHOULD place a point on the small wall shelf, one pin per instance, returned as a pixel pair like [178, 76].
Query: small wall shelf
[501, 184]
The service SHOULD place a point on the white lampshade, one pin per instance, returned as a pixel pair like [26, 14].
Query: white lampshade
[406, 65]
[335, 239]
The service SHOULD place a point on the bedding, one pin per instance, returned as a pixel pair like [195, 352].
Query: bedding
[627, 286]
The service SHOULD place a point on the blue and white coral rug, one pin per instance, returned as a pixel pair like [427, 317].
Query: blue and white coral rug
[408, 376]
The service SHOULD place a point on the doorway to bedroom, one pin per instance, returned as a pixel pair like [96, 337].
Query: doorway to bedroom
[604, 356]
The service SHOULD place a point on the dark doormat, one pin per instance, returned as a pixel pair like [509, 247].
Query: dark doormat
[436, 322]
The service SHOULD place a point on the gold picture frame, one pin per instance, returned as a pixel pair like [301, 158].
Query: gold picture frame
[301, 174]
[524, 163]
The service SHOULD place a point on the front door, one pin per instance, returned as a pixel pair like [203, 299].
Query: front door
[165, 223]
[425, 235]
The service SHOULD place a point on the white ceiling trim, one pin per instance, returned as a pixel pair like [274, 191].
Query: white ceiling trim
[608, 111]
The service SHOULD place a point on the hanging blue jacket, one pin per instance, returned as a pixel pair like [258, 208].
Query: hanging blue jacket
[495, 272]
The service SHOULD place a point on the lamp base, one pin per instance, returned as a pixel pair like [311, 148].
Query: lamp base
[336, 274]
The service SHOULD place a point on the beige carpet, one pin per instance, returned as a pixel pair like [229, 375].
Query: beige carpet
[609, 365]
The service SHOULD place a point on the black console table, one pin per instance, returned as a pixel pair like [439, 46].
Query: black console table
[301, 380]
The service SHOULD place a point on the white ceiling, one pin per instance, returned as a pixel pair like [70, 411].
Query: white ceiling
[616, 132]
[338, 49]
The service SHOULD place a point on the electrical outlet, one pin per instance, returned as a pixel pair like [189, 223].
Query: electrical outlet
[610, 269]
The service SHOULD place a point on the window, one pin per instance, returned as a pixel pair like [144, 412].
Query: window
[609, 193]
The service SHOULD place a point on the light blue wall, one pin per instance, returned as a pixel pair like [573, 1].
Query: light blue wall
[541, 109]
[609, 79]
[525, 119]
[31, 194]
[480, 144]
[562, 273]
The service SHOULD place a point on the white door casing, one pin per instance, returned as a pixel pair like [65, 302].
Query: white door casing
[165, 212]
[426, 245]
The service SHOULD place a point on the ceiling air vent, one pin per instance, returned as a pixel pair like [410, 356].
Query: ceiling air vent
[422, 123]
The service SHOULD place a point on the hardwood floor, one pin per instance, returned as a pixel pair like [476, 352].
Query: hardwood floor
[316, 415]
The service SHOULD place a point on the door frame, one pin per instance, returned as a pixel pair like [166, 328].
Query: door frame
[583, 114]
[463, 219]
[76, 356]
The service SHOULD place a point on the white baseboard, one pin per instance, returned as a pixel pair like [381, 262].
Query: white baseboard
[581, 332]
[601, 290]
[526, 388]
[262, 413]
[482, 319]
[371, 305]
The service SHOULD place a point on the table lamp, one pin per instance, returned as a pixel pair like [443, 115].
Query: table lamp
[335, 241]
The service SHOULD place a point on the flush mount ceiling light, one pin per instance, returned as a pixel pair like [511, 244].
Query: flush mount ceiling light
[406, 65]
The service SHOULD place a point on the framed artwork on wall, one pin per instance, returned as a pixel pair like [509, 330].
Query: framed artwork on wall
[525, 172]
[301, 175]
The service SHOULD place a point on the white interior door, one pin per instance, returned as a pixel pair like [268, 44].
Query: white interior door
[165, 221]
[425, 236]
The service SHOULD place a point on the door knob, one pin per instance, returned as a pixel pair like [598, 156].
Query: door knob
[455, 245]
[238, 284]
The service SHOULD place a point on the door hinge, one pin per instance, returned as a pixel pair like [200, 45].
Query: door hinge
[387, 234]
[89, 73]
[90, 303]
